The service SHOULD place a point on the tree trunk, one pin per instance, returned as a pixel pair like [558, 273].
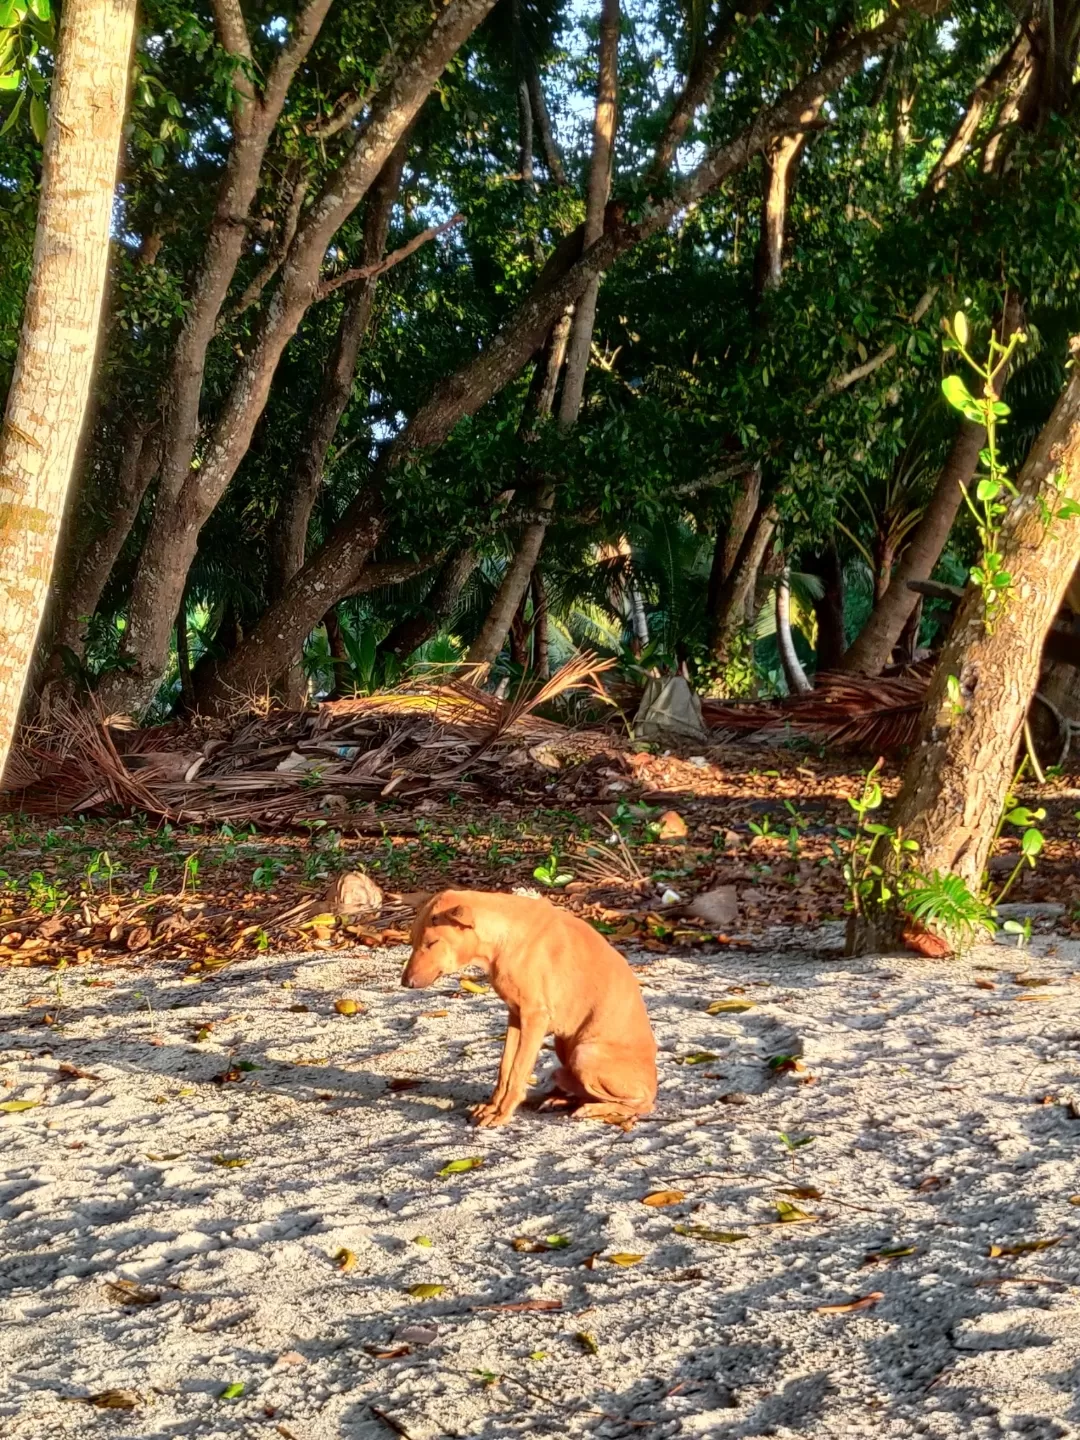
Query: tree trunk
[884, 548]
[515, 582]
[558, 286]
[519, 635]
[831, 637]
[442, 599]
[47, 401]
[289, 537]
[960, 770]
[138, 465]
[174, 533]
[794, 673]
[908, 644]
[253, 120]
[541, 630]
[183, 660]
[600, 164]
[729, 539]
[870, 652]
[732, 600]
[335, 643]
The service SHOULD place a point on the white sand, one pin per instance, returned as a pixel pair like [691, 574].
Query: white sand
[919, 1073]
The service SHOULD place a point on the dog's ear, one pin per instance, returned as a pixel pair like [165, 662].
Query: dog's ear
[456, 914]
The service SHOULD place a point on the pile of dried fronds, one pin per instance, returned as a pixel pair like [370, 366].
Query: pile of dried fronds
[289, 765]
[878, 713]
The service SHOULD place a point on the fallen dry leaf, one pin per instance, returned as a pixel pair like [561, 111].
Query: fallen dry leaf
[344, 1006]
[658, 1198]
[345, 1260]
[113, 1399]
[126, 1292]
[671, 826]
[624, 1259]
[892, 1252]
[458, 1167]
[848, 1307]
[587, 1340]
[715, 1237]
[1023, 1247]
[729, 1007]
[426, 1292]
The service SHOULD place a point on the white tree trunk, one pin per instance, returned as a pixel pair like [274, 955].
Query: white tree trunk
[55, 362]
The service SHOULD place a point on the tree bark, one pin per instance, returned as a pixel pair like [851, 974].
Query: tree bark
[253, 120]
[289, 537]
[1000, 80]
[831, 636]
[138, 465]
[728, 540]
[515, 582]
[183, 659]
[442, 599]
[870, 651]
[600, 166]
[541, 629]
[335, 643]
[558, 286]
[732, 600]
[174, 533]
[962, 765]
[47, 401]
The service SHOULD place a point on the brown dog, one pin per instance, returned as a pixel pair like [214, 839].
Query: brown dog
[557, 976]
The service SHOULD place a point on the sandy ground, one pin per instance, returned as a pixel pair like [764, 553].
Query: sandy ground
[943, 1116]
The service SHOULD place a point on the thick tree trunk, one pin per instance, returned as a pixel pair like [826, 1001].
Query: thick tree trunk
[438, 608]
[174, 533]
[873, 646]
[794, 674]
[47, 402]
[962, 765]
[829, 610]
[289, 537]
[559, 285]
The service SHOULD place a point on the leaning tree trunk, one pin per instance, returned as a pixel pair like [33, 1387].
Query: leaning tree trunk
[960, 770]
[794, 673]
[57, 346]
[438, 607]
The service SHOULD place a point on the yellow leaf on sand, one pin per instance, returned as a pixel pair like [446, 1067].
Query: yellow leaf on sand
[347, 1007]
[729, 1007]
[1023, 1247]
[345, 1260]
[658, 1198]
[624, 1259]
[473, 987]
[863, 1302]
[426, 1292]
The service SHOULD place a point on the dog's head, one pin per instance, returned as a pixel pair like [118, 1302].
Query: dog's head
[443, 939]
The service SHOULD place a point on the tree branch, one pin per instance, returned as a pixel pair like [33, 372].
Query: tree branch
[278, 250]
[845, 381]
[369, 272]
[1001, 77]
[295, 52]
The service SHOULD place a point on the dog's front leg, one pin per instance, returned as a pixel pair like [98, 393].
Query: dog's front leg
[510, 1049]
[532, 1027]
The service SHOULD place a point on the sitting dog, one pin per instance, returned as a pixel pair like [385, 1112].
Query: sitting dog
[557, 976]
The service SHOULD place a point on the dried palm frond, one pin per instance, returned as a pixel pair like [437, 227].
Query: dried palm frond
[873, 713]
[416, 739]
[611, 862]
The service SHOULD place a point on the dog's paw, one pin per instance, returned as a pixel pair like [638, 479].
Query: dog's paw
[488, 1116]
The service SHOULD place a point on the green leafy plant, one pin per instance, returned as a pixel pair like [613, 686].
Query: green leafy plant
[993, 487]
[944, 904]
[551, 875]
